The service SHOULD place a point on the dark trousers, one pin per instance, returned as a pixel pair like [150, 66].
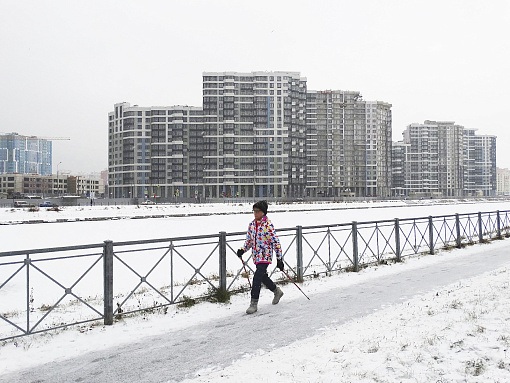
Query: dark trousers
[259, 278]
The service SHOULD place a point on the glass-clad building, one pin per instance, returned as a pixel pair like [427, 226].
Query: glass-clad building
[25, 154]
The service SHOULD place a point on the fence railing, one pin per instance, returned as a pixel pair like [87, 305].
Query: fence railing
[52, 288]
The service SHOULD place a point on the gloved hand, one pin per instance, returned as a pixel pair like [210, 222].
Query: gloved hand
[240, 253]
[279, 264]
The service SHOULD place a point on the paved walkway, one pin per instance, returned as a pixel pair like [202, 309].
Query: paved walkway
[173, 356]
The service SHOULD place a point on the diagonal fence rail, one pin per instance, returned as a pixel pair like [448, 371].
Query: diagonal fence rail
[53, 288]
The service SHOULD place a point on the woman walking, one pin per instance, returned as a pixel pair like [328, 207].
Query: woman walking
[262, 239]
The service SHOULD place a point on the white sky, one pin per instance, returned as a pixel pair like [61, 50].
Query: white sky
[63, 64]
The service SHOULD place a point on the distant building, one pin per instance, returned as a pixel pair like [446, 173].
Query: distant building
[248, 140]
[422, 162]
[348, 145]
[400, 169]
[503, 181]
[15, 185]
[149, 151]
[25, 154]
[441, 158]
[255, 134]
[480, 177]
[85, 186]
[451, 160]
[104, 183]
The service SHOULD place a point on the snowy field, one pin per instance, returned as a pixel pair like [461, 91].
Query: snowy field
[99, 223]
[460, 333]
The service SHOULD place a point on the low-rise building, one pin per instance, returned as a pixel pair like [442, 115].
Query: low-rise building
[15, 185]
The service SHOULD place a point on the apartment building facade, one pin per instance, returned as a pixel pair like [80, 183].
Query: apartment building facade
[16, 185]
[25, 154]
[480, 176]
[149, 152]
[348, 145]
[378, 147]
[257, 134]
[176, 161]
[422, 160]
[254, 136]
[263, 134]
[85, 186]
[400, 168]
[441, 158]
[450, 158]
[248, 140]
[503, 181]
[129, 138]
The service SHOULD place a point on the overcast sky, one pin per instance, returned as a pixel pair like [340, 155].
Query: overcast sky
[63, 64]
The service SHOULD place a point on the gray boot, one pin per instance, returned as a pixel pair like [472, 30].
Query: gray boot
[253, 306]
[278, 293]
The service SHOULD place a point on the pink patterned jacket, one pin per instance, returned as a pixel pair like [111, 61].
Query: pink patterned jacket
[262, 239]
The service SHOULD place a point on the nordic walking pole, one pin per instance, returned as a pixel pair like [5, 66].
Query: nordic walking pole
[247, 275]
[295, 284]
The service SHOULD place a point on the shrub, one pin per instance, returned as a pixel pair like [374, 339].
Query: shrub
[186, 302]
[218, 295]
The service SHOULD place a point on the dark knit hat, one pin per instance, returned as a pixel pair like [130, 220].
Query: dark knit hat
[261, 205]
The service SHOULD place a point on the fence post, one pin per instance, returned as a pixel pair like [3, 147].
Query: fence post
[457, 229]
[299, 253]
[431, 235]
[108, 282]
[329, 249]
[223, 260]
[28, 262]
[355, 245]
[498, 225]
[397, 240]
[480, 228]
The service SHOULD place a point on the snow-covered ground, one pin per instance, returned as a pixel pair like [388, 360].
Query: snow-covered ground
[460, 332]
[10, 216]
[98, 223]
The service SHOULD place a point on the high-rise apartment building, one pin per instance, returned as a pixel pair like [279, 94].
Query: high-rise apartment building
[248, 140]
[348, 145]
[254, 138]
[25, 154]
[379, 139]
[177, 162]
[129, 136]
[480, 164]
[258, 134]
[441, 158]
[450, 158]
[262, 134]
[422, 159]
[400, 168]
[155, 151]
[503, 181]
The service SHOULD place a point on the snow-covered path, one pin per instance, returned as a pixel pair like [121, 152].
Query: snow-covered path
[174, 356]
